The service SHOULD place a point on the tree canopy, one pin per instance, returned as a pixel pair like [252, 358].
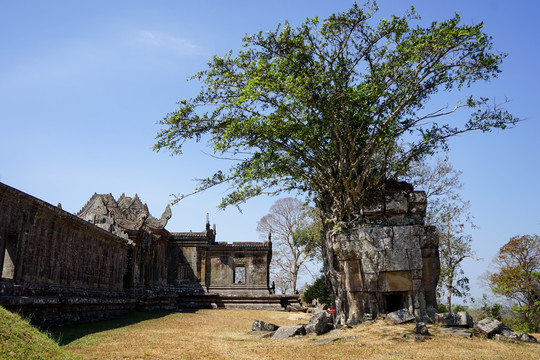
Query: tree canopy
[335, 108]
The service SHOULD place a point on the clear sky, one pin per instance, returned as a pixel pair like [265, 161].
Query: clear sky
[83, 83]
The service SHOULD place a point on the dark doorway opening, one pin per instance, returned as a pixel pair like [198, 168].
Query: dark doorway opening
[394, 302]
[10, 257]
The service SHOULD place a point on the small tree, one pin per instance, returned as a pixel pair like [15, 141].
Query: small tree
[293, 241]
[450, 215]
[517, 277]
[454, 247]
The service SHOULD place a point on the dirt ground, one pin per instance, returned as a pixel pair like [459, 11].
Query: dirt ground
[224, 334]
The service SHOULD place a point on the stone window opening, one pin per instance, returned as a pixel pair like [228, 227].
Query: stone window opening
[184, 272]
[239, 274]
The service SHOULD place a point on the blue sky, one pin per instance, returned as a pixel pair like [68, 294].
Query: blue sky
[83, 83]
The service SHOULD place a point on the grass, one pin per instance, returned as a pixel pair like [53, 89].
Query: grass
[223, 334]
[20, 340]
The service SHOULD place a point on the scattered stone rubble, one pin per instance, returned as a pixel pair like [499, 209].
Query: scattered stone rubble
[318, 324]
[458, 324]
[493, 328]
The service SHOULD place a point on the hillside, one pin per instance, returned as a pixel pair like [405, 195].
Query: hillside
[20, 340]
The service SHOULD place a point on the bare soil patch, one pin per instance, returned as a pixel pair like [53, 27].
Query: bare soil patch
[223, 334]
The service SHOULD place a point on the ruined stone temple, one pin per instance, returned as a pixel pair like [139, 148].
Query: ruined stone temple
[391, 262]
[113, 257]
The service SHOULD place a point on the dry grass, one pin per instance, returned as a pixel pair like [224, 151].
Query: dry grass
[223, 334]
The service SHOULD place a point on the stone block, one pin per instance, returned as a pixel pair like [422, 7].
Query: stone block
[400, 316]
[500, 337]
[461, 318]
[318, 324]
[507, 332]
[421, 328]
[289, 331]
[259, 325]
[488, 327]
[527, 338]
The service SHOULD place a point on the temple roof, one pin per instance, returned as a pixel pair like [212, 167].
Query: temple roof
[127, 213]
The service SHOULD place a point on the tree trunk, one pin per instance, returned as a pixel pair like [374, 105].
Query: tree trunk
[449, 288]
[294, 278]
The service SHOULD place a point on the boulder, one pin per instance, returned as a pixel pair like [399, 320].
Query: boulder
[461, 318]
[421, 328]
[318, 324]
[488, 327]
[509, 333]
[527, 338]
[500, 337]
[268, 335]
[259, 325]
[400, 316]
[289, 331]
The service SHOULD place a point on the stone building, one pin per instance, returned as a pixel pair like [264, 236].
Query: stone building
[113, 256]
[390, 262]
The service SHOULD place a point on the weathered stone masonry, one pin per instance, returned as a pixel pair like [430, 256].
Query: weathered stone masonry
[390, 262]
[113, 257]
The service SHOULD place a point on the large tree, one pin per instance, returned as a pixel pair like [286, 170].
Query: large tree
[517, 277]
[321, 108]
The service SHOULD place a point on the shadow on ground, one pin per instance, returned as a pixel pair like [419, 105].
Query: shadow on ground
[64, 335]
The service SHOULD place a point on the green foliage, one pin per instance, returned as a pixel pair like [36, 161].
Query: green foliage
[442, 308]
[318, 290]
[485, 307]
[19, 340]
[459, 307]
[518, 278]
[320, 108]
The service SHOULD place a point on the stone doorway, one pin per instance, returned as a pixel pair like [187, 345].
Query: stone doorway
[395, 301]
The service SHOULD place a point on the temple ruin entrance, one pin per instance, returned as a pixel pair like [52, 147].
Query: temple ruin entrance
[395, 301]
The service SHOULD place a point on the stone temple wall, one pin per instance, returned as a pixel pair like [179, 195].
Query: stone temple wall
[113, 257]
[390, 262]
[48, 252]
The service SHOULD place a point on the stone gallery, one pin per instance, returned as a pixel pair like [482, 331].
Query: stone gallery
[113, 257]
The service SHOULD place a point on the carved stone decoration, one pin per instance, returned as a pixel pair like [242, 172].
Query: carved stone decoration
[167, 214]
